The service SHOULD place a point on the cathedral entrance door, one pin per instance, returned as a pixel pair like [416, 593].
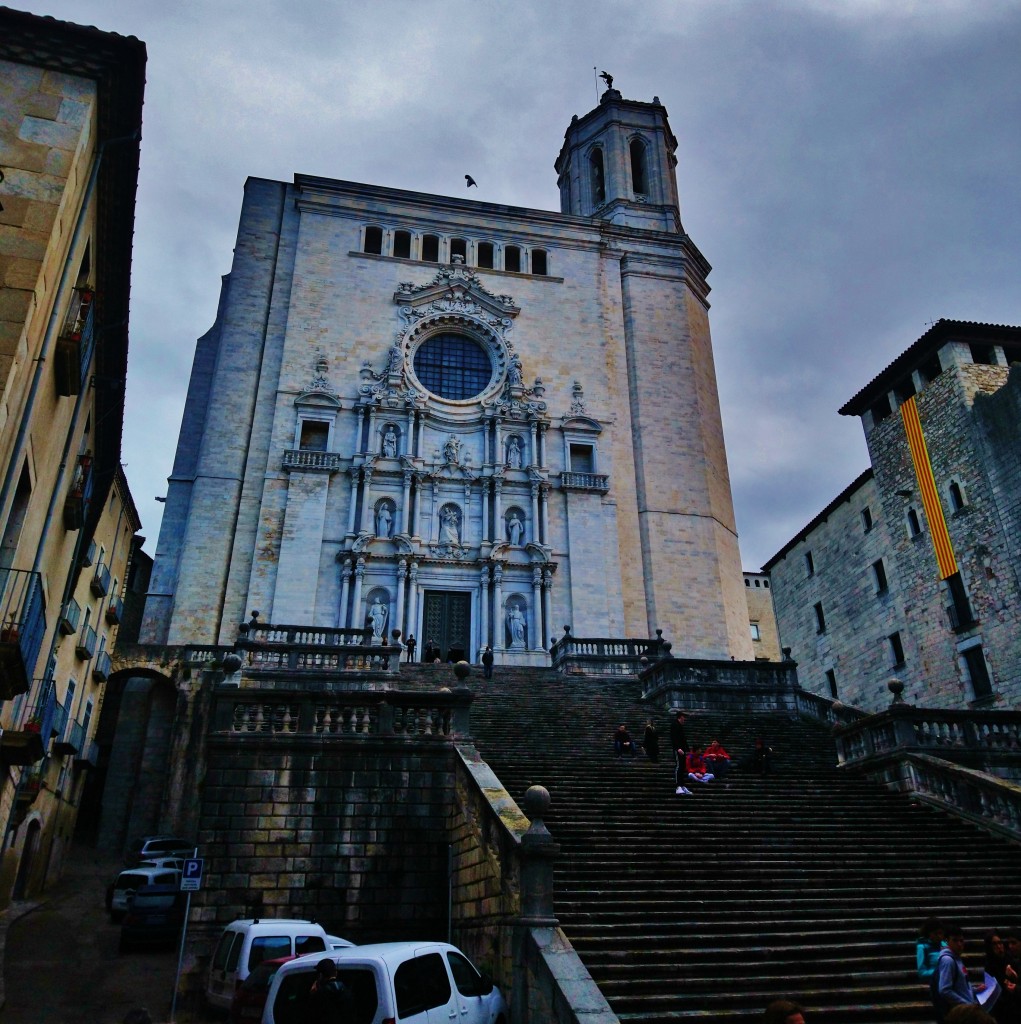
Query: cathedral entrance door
[447, 623]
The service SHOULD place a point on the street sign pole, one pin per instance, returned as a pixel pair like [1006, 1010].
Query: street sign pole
[191, 881]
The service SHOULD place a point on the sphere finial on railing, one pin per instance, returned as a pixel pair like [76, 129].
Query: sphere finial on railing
[896, 687]
[536, 801]
[462, 670]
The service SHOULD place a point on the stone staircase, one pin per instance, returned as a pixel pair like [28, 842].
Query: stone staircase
[809, 884]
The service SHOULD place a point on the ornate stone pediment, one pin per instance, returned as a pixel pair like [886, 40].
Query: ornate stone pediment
[456, 289]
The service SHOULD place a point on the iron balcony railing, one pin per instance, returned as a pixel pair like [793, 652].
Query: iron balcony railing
[114, 611]
[85, 648]
[79, 495]
[101, 580]
[75, 344]
[70, 618]
[101, 669]
[22, 627]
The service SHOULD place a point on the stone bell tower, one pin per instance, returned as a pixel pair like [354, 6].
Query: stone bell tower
[617, 164]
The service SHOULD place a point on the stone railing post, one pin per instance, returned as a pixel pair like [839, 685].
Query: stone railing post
[538, 851]
[386, 719]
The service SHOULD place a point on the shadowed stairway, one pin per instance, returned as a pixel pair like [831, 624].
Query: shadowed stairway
[809, 884]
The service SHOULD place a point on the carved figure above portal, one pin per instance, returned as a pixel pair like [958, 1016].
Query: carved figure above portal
[514, 456]
[385, 518]
[376, 619]
[452, 450]
[450, 525]
[515, 528]
[390, 441]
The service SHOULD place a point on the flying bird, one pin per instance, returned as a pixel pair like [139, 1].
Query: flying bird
[471, 181]
[607, 78]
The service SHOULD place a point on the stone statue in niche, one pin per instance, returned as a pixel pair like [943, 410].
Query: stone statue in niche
[450, 532]
[452, 449]
[377, 620]
[517, 626]
[390, 443]
[514, 452]
[384, 520]
[515, 529]
[514, 372]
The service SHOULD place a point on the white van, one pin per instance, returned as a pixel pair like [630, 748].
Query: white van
[134, 878]
[413, 982]
[245, 944]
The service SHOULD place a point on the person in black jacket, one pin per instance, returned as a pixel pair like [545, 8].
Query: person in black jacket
[679, 745]
[329, 999]
[487, 661]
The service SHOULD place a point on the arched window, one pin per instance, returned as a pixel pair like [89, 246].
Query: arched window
[402, 244]
[430, 249]
[598, 178]
[512, 259]
[639, 182]
[539, 265]
[373, 241]
[459, 247]
[485, 255]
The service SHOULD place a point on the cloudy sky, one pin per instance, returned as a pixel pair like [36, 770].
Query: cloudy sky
[849, 167]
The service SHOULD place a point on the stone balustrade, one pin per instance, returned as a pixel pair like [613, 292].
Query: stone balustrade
[574, 655]
[324, 462]
[347, 715]
[585, 482]
[265, 648]
[723, 685]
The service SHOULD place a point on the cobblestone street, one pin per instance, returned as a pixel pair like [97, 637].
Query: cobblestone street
[61, 964]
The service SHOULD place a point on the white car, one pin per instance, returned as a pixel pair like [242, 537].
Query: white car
[413, 982]
[132, 879]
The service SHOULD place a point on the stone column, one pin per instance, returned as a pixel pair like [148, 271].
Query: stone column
[467, 514]
[345, 590]
[500, 459]
[434, 533]
[535, 444]
[363, 415]
[484, 607]
[397, 619]
[406, 506]
[538, 626]
[542, 444]
[370, 441]
[352, 511]
[498, 509]
[485, 511]
[487, 433]
[366, 516]
[409, 442]
[413, 606]
[357, 618]
[544, 519]
[547, 608]
[417, 525]
[535, 512]
[498, 627]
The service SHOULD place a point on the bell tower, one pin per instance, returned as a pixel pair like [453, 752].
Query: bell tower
[617, 164]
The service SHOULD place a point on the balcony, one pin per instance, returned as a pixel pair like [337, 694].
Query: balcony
[28, 744]
[599, 482]
[22, 625]
[114, 611]
[70, 618]
[85, 648]
[300, 458]
[90, 555]
[101, 669]
[76, 504]
[75, 344]
[88, 756]
[61, 743]
[100, 584]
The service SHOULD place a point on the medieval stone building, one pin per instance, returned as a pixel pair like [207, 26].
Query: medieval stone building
[913, 570]
[469, 422]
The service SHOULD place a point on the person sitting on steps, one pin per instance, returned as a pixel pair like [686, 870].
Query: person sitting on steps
[622, 742]
[697, 770]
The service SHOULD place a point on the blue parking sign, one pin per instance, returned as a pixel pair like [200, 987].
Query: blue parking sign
[191, 878]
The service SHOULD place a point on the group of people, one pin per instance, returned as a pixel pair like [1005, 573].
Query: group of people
[692, 762]
[959, 998]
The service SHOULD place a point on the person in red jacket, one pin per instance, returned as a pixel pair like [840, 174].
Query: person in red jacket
[717, 759]
[697, 770]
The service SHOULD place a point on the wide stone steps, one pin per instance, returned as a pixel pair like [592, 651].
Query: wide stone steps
[809, 884]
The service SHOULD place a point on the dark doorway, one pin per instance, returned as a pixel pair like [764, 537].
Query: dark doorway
[447, 623]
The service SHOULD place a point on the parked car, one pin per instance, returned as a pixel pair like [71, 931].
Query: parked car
[336, 942]
[247, 943]
[250, 996]
[154, 917]
[413, 982]
[177, 863]
[128, 882]
[148, 847]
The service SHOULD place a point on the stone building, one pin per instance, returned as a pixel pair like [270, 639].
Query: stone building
[70, 120]
[914, 570]
[761, 617]
[470, 422]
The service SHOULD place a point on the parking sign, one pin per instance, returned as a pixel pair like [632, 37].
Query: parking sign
[191, 878]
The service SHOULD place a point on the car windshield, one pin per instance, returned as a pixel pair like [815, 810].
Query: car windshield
[132, 881]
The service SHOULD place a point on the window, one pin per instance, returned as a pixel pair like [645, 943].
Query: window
[831, 682]
[879, 573]
[747, 583]
[539, 262]
[881, 409]
[984, 354]
[820, 619]
[468, 980]
[268, 947]
[959, 609]
[402, 245]
[978, 671]
[765, 583]
[896, 649]
[597, 177]
[957, 501]
[583, 458]
[373, 241]
[756, 583]
[512, 259]
[809, 563]
[453, 366]
[914, 525]
[904, 389]
[430, 249]
[485, 255]
[756, 635]
[866, 518]
[315, 436]
[638, 183]
[421, 984]
[459, 247]
[931, 368]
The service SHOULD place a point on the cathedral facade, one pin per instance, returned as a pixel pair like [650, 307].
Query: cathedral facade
[465, 421]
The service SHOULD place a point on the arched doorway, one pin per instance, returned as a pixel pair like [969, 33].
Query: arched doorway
[29, 857]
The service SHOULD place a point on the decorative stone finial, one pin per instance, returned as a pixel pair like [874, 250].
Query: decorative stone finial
[462, 670]
[537, 802]
[896, 687]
